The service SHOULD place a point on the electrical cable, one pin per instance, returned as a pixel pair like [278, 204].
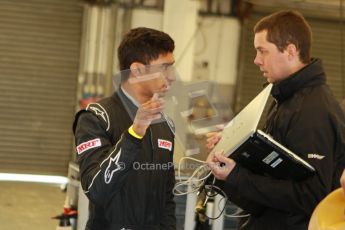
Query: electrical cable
[197, 184]
[192, 180]
[222, 210]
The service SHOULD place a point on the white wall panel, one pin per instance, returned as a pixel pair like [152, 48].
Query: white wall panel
[180, 22]
[151, 18]
[217, 45]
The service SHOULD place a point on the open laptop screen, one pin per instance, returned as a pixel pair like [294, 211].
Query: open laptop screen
[244, 124]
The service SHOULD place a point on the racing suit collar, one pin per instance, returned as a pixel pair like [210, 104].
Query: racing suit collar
[128, 102]
[129, 97]
[311, 75]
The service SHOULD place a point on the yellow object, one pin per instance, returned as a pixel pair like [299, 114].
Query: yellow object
[329, 213]
[131, 131]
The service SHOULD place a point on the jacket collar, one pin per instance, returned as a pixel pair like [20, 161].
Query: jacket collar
[128, 102]
[311, 75]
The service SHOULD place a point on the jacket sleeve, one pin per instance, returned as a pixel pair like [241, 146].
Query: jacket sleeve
[103, 166]
[245, 204]
[168, 220]
[318, 141]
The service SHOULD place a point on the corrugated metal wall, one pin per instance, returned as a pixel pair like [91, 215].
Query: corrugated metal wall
[39, 53]
[326, 46]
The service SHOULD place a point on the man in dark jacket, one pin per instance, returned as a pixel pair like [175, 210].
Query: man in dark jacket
[305, 117]
[126, 159]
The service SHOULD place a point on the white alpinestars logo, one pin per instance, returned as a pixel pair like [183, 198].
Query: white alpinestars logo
[113, 167]
[315, 156]
[98, 112]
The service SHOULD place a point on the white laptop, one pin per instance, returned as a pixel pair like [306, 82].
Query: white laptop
[256, 150]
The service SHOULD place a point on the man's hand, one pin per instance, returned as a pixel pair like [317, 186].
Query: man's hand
[147, 112]
[220, 165]
[213, 138]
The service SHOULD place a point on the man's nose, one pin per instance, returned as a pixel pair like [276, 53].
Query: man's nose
[257, 60]
[171, 77]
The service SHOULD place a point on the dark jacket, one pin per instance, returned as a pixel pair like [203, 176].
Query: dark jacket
[306, 118]
[128, 181]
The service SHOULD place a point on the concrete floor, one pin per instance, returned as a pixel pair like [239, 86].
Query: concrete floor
[29, 206]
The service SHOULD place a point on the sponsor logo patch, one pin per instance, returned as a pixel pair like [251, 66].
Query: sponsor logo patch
[88, 145]
[164, 144]
[315, 156]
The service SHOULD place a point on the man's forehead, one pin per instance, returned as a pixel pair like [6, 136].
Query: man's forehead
[165, 58]
[261, 42]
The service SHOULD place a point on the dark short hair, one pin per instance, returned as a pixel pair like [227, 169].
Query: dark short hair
[287, 27]
[143, 45]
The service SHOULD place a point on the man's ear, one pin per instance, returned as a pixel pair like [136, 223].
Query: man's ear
[292, 51]
[136, 68]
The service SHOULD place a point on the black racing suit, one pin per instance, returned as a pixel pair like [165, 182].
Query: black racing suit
[128, 181]
[306, 118]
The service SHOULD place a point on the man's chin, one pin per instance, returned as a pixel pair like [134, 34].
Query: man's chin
[162, 93]
[268, 79]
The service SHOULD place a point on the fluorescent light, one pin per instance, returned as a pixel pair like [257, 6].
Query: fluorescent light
[33, 178]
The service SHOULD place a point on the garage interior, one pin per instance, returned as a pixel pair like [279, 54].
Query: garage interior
[58, 55]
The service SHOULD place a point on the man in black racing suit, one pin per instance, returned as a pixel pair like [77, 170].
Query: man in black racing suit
[126, 164]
